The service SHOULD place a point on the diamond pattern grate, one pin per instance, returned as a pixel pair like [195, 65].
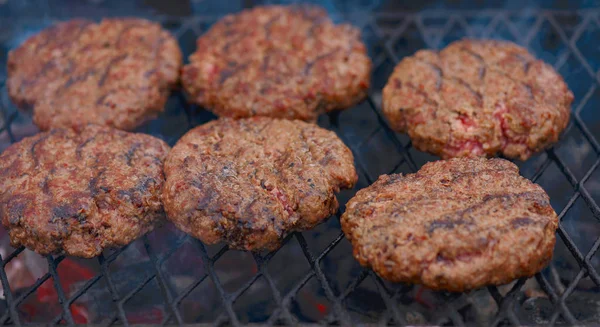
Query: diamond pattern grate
[343, 293]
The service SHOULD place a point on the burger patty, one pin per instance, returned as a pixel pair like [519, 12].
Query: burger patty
[455, 225]
[116, 73]
[79, 193]
[279, 61]
[477, 98]
[249, 182]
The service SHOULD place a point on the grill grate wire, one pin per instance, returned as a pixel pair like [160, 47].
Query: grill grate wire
[395, 312]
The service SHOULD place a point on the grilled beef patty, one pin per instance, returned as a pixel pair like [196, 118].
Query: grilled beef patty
[79, 193]
[249, 182]
[455, 225]
[477, 98]
[278, 61]
[116, 73]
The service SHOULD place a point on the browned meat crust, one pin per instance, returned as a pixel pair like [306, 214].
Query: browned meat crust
[63, 192]
[249, 182]
[477, 98]
[116, 73]
[279, 61]
[455, 225]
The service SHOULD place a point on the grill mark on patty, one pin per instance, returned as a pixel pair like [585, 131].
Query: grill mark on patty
[16, 208]
[86, 142]
[512, 226]
[93, 187]
[306, 145]
[80, 147]
[516, 81]
[529, 91]
[528, 195]
[316, 24]
[38, 142]
[259, 131]
[150, 72]
[474, 54]
[526, 62]
[131, 152]
[401, 206]
[459, 175]
[205, 201]
[440, 76]
[234, 41]
[421, 93]
[265, 63]
[126, 29]
[109, 66]
[135, 193]
[159, 42]
[521, 222]
[103, 97]
[195, 182]
[154, 158]
[478, 96]
[37, 77]
[44, 185]
[447, 222]
[64, 211]
[322, 163]
[307, 12]
[268, 24]
[309, 65]
[395, 178]
[52, 33]
[438, 71]
[229, 72]
[75, 80]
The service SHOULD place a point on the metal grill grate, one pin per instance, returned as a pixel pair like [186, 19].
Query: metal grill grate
[318, 264]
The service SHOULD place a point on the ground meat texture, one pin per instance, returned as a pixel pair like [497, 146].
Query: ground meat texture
[64, 192]
[249, 182]
[279, 61]
[116, 73]
[455, 225]
[477, 98]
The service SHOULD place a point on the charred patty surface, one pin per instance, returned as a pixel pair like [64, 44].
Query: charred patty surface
[64, 192]
[477, 98]
[279, 61]
[455, 225]
[116, 73]
[249, 182]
